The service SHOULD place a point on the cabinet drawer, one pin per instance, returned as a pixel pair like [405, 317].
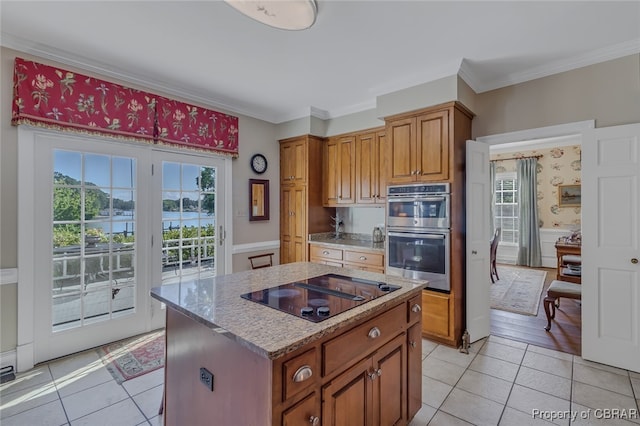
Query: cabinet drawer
[363, 339]
[365, 258]
[326, 253]
[414, 309]
[299, 373]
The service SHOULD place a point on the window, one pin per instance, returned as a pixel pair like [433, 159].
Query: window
[506, 208]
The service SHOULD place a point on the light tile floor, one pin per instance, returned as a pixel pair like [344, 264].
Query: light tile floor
[500, 382]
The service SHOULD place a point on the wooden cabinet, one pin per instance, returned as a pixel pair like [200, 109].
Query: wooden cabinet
[357, 258]
[420, 144]
[338, 157]
[371, 181]
[371, 392]
[436, 314]
[429, 145]
[301, 210]
[414, 365]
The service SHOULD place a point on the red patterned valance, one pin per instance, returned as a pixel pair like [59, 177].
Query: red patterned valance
[51, 97]
[187, 125]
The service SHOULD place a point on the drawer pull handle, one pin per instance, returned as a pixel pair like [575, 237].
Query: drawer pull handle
[363, 258]
[302, 374]
[374, 333]
[325, 252]
[416, 308]
[314, 420]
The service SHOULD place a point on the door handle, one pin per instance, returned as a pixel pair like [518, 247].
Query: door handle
[223, 235]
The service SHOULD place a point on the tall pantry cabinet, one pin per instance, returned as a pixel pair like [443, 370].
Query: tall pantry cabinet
[301, 211]
[426, 146]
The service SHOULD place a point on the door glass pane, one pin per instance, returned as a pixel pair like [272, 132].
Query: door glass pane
[93, 238]
[188, 221]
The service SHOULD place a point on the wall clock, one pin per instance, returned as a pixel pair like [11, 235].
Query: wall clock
[259, 163]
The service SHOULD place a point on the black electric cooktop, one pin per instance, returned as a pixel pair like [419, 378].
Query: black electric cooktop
[318, 298]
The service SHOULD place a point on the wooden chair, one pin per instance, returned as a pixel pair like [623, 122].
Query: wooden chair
[260, 260]
[556, 290]
[492, 255]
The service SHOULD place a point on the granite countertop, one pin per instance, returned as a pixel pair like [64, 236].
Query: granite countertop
[346, 241]
[216, 303]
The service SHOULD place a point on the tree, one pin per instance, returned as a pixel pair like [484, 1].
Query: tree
[208, 184]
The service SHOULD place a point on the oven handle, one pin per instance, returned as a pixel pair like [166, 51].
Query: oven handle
[400, 199]
[415, 235]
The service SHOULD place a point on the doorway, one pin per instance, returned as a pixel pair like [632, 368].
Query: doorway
[560, 147]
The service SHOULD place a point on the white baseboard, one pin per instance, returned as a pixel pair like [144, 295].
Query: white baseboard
[8, 358]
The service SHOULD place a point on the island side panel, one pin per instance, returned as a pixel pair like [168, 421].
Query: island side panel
[241, 378]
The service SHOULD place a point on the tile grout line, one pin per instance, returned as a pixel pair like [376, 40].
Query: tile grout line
[64, 410]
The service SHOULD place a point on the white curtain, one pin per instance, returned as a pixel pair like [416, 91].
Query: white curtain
[529, 253]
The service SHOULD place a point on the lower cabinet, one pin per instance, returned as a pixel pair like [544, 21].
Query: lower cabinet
[437, 315]
[305, 412]
[370, 392]
[414, 363]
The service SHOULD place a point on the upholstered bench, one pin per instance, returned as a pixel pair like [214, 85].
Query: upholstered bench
[556, 290]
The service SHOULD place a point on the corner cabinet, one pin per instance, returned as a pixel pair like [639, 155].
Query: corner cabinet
[301, 210]
[429, 145]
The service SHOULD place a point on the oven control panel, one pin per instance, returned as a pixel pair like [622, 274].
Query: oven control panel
[420, 189]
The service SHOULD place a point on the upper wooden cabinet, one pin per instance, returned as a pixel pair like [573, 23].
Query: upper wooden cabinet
[293, 161]
[371, 175]
[338, 158]
[420, 144]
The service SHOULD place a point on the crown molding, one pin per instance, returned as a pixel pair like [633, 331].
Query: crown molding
[590, 58]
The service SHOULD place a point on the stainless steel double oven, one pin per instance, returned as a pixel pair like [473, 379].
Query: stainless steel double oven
[418, 233]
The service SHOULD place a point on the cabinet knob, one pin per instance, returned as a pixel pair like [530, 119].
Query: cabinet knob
[416, 308]
[417, 172]
[634, 260]
[374, 333]
[363, 258]
[412, 343]
[325, 252]
[302, 374]
[314, 420]
[474, 252]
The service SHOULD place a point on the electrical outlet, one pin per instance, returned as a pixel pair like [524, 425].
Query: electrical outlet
[206, 377]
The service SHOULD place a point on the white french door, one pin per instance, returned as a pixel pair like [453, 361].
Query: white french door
[101, 223]
[478, 312]
[188, 191]
[611, 246]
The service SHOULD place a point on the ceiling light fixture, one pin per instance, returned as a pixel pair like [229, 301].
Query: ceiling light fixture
[283, 14]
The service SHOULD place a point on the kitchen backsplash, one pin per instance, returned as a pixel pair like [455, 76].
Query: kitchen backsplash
[361, 220]
[558, 166]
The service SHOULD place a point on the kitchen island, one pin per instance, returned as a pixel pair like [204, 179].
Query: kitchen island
[231, 361]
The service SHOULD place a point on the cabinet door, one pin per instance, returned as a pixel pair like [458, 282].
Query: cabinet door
[436, 313]
[347, 399]
[330, 175]
[303, 413]
[389, 385]
[432, 146]
[380, 168]
[293, 156]
[401, 150]
[293, 224]
[366, 168]
[414, 376]
[347, 170]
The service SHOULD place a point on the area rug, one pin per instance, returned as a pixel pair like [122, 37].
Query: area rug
[133, 357]
[518, 290]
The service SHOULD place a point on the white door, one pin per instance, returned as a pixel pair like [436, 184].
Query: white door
[478, 228]
[189, 230]
[610, 246]
[88, 244]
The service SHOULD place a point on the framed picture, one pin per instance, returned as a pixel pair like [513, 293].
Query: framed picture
[569, 196]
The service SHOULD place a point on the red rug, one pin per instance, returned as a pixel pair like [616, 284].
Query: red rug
[135, 356]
